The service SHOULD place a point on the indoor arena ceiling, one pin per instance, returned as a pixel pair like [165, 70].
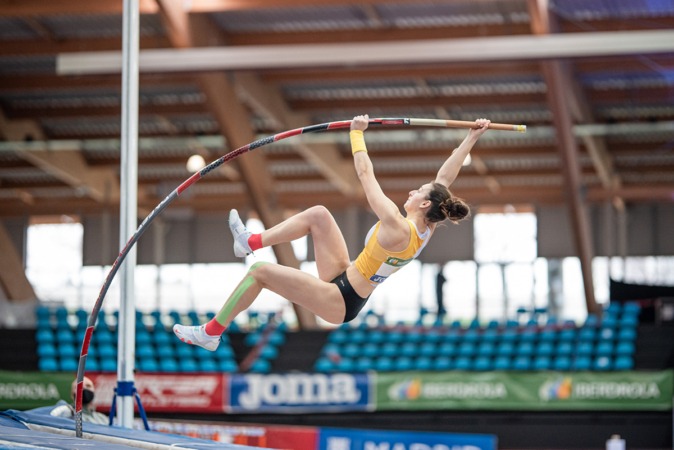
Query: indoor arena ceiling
[593, 80]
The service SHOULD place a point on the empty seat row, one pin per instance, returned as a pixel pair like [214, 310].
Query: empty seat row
[479, 363]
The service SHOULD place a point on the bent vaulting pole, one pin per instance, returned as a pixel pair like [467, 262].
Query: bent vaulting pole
[217, 163]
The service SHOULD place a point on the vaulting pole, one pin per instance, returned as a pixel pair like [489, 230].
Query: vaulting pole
[126, 250]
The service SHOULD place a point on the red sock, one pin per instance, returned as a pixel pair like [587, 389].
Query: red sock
[213, 328]
[255, 241]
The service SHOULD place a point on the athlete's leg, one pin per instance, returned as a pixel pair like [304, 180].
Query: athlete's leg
[332, 256]
[320, 297]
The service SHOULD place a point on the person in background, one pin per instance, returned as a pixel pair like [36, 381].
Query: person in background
[89, 413]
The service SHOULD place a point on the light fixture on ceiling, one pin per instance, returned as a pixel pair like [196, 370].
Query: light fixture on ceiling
[195, 162]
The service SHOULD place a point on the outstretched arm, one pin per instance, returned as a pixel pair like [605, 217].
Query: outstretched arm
[450, 168]
[382, 206]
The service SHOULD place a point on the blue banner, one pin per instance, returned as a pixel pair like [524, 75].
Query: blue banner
[349, 439]
[300, 392]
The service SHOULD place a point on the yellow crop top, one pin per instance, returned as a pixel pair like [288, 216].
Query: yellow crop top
[376, 264]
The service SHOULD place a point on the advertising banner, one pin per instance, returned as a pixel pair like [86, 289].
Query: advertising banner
[200, 393]
[27, 390]
[266, 436]
[350, 439]
[617, 391]
[300, 392]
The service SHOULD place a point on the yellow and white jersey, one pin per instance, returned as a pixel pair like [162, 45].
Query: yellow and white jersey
[376, 263]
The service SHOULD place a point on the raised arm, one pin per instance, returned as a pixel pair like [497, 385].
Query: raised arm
[382, 206]
[450, 168]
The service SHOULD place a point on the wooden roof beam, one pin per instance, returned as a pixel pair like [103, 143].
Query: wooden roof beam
[269, 101]
[558, 93]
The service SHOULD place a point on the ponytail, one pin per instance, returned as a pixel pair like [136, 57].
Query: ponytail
[444, 206]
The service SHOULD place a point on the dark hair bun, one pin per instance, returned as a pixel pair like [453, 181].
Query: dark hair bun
[457, 210]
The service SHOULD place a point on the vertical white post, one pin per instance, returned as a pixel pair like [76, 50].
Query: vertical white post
[128, 210]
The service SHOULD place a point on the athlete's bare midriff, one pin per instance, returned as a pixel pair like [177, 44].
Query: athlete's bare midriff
[358, 282]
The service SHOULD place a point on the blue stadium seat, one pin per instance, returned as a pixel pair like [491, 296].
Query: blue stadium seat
[160, 337]
[188, 365]
[542, 362]
[529, 335]
[92, 364]
[587, 334]
[502, 362]
[491, 335]
[364, 364]
[548, 336]
[483, 364]
[462, 363]
[184, 351]
[67, 351]
[446, 349]
[44, 336]
[466, 349]
[345, 365]
[631, 308]
[383, 364]
[525, 348]
[510, 335]
[338, 336]
[505, 349]
[403, 363]
[169, 365]
[623, 362]
[582, 362]
[351, 350]
[358, 336]
[607, 334]
[602, 363]
[584, 348]
[108, 365]
[68, 364]
[564, 348]
[631, 320]
[260, 366]
[106, 351]
[521, 362]
[64, 336]
[376, 337]
[269, 352]
[627, 334]
[471, 336]
[545, 348]
[277, 338]
[207, 366]
[562, 362]
[48, 364]
[46, 350]
[427, 349]
[486, 349]
[567, 335]
[148, 365]
[227, 365]
[323, 365]
[145, 351]
[604, 348]
[409, 349]
[442, 363]
[389, 349]
[423, 363]
[625, 348]
[614, 308]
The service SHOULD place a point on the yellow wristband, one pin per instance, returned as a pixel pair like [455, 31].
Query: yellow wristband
[357, 142]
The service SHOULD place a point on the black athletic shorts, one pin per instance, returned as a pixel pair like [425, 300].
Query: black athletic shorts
[352, 301]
